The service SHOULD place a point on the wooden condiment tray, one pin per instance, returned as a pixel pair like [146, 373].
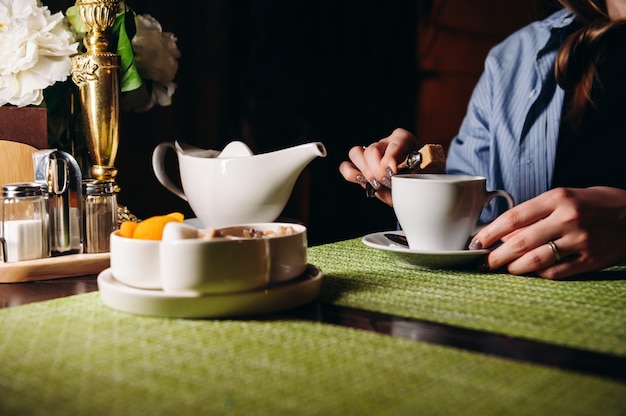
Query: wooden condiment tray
[70, 265]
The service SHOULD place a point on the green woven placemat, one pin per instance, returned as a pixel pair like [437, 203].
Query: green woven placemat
[587, 314]
[75, 356]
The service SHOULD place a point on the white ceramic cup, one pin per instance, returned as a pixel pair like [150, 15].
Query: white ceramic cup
[439, 212]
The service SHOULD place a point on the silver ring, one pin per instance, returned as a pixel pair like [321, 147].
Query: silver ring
[555, 250]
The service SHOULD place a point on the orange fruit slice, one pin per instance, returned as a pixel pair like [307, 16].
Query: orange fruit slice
[177, 216]
[152, 228]
[127, 228]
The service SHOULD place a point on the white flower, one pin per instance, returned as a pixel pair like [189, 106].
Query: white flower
[35, 50]
[156, 57]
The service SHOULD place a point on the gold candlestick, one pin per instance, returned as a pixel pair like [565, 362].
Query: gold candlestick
[95, 72]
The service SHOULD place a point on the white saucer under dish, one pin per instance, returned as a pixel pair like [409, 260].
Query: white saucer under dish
[423, 259]
[274, 298]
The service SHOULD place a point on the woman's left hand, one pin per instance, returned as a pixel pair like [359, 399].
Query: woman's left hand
[560, 233]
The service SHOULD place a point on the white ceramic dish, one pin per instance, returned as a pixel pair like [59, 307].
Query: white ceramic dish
[275, 298]
[423, 259]
[216, 265]
[288, 253]
[194, 265]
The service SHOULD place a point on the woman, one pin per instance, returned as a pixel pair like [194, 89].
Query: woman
[547, 123]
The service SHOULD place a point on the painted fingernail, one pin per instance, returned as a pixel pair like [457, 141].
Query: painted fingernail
[361, 179]
[386, 181]
[375, 183]
[476, 245]
[389, 175]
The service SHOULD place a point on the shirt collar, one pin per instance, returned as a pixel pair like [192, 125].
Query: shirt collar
[560, 19]
[558, 26]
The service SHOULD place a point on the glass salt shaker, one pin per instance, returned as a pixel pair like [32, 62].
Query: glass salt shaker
[24, 226]
[99, 215]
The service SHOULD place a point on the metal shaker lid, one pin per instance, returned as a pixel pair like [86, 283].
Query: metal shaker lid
[20, 189]
[98, 187]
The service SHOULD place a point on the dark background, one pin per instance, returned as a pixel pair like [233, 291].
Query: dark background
[276, 73]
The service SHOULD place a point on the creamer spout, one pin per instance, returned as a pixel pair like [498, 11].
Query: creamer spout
[306, 151]
[320, 148]
[294, 159]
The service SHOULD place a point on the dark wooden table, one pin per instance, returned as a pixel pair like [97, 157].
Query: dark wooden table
[15, 294]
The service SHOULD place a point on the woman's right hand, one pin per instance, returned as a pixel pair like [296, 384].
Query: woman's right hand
[376, 163]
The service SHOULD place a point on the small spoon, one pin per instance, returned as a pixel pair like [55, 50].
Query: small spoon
[398, 239]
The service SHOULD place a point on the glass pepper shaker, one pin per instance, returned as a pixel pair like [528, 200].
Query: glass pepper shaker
[24, 226]
[99, 215]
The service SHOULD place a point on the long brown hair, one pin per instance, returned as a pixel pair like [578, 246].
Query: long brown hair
[578, 58]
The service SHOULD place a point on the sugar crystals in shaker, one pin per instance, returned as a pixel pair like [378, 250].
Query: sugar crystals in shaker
[23, 230]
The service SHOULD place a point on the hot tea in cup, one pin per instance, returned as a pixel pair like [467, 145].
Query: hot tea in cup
[439, 212]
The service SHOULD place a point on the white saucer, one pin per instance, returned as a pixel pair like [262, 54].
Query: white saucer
[423, 259]
[282, 296]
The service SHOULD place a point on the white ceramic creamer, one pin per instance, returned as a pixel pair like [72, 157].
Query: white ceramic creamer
[235, 186]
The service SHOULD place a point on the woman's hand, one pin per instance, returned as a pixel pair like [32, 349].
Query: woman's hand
[376, 163]
[560, 233]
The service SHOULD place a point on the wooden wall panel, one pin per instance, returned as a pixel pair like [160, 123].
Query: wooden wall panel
[453, 42]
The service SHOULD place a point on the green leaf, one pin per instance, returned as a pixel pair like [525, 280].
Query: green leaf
[122, 32]
[120, 36]
[76, 23]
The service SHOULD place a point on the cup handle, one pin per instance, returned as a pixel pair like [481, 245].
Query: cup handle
[158, 166]
[490, 195]
[507, 196]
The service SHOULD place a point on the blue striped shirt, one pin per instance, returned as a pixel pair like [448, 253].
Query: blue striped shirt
[510, 132]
